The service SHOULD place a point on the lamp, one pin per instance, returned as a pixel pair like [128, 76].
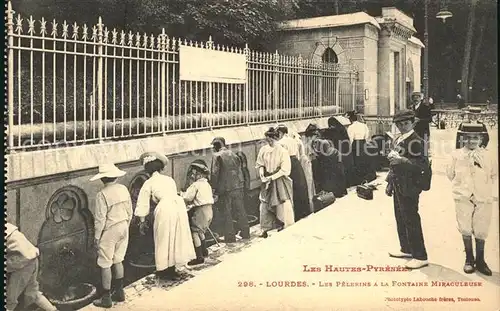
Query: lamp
[444, 14]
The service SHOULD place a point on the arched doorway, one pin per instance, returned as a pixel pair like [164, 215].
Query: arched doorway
[330, 82]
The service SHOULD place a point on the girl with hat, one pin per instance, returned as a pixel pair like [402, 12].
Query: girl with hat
[273, 166]
[200, 200]
[472, 173]
[172, 236]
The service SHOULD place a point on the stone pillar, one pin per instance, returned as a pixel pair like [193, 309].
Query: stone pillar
[384, 72]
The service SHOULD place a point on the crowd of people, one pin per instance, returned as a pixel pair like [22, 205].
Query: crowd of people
[292, 170]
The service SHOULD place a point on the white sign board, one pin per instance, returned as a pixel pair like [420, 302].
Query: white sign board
[197, 64]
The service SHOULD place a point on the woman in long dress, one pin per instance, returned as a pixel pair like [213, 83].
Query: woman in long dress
[328, 170]
[359, 134]
[172, 234]
[306, 163]
[337, 134]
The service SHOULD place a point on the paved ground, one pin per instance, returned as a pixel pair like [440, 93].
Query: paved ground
[350, 233]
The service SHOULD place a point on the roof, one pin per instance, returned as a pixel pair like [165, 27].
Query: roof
[416, 41]
[358, 18]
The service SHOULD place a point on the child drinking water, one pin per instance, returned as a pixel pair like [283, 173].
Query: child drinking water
[199, 200]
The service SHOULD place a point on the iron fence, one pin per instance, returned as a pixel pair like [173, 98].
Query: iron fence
[79, 84]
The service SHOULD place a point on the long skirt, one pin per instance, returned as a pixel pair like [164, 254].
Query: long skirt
[308, 172]
[329, 175]
[301, 205]
[172, 234]
[363, 170]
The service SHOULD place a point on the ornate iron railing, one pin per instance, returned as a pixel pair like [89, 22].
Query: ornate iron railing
[78, 84]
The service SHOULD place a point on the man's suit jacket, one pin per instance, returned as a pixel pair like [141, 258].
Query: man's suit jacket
[406, 178]
[424, 115]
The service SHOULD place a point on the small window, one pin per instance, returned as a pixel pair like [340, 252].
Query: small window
[329, 56]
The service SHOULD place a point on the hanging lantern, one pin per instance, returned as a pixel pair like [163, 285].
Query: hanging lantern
[444, 13]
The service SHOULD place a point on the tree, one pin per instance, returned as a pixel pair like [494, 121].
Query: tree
[468, 45]
[477, 50]
[227, 22]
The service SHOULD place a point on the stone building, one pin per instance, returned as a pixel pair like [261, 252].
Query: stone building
[382, 49]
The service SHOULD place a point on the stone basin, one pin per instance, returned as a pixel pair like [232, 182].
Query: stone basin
[252, 220]
[143, 261]
[74, 297]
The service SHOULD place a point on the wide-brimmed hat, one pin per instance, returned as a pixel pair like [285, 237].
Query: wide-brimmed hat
[472, 128]
[108, 170]
[151, 156]
[403, 115]
[201, 167]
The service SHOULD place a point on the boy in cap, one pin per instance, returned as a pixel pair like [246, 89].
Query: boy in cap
[112, 216]
[199, 198]
[472, 173]
[21, 265]
[404, 182]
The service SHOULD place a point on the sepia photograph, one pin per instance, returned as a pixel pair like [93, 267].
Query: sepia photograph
[251, 155]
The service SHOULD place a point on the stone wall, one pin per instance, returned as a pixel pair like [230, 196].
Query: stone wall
[34, 177]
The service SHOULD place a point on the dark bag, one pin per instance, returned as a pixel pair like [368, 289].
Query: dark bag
[365, 191]
[322, 200]
[426, 177]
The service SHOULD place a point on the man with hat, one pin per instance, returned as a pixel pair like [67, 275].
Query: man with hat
[472, 173]
[199, 200]
[228, 184]
[472, 115]
[112, 216]
[423, 115]
[405, 182]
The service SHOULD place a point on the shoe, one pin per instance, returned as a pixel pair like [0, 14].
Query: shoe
[104, 302]
[483, 268]
[118, 296]
[199, 257]
[416, 264]
[469, 267]
[264, 235]
[400, 254]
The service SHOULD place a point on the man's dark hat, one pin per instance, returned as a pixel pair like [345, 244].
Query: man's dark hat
[311, 128]
[403, 115]
[219, 140]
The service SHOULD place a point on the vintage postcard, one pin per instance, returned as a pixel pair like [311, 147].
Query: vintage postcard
[251, 155]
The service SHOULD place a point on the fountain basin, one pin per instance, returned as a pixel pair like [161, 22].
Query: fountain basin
[143, 261]
[74, 297]
[252, 220]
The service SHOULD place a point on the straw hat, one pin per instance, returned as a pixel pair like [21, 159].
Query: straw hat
[151, 156]
[108, 170]
[201, 167]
